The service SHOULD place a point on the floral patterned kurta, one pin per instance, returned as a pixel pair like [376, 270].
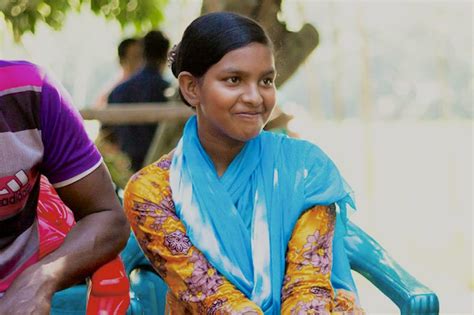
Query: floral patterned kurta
[197, 288]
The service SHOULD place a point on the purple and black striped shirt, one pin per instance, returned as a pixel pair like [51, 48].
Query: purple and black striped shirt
[40, 133]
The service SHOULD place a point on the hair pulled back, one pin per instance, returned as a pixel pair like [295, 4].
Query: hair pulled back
[209, 37]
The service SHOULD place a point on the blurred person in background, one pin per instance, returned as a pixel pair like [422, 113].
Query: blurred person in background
[49, 164]
[146, 86]
[130, 53]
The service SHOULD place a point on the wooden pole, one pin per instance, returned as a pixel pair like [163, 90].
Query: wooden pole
[138, 113]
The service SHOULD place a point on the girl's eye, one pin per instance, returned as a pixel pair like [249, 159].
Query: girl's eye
[233, 80]
[267, 82]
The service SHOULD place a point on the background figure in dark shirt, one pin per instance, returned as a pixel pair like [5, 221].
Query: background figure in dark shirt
[144, 87]
[130, 55]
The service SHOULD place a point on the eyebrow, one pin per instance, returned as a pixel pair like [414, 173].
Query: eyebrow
[237, 71]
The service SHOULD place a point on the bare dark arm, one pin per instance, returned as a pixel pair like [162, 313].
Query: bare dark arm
[99, 235]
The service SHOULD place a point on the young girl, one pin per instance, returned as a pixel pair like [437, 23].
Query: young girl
[237, 220]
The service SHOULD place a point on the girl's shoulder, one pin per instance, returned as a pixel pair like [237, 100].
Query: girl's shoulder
[154, 176]
[148, 192]
[289, 146]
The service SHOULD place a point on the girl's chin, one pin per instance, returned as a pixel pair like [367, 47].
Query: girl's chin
[247, 136]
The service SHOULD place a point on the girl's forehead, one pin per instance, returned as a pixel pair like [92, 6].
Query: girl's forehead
[254, 55]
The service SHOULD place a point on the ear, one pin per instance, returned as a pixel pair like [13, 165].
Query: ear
[188, 85]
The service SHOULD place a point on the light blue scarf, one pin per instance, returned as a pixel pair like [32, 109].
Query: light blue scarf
[243, 221]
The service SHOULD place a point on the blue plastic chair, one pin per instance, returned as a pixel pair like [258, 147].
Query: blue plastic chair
[366, 257]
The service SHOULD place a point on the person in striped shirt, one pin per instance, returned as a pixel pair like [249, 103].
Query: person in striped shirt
[42, 136]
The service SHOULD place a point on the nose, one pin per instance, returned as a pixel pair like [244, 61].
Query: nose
[252, 95]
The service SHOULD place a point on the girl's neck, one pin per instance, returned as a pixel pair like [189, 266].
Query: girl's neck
[221, 151]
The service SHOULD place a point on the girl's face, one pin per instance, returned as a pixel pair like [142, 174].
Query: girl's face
[237, 94]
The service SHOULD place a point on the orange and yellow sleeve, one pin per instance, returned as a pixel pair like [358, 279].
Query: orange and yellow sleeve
[307, 287]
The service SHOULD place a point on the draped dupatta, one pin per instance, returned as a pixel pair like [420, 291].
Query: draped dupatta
[243, 220]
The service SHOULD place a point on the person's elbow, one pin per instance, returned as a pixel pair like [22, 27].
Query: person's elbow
[119, 229]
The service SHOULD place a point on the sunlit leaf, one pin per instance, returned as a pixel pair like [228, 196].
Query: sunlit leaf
[23, 15]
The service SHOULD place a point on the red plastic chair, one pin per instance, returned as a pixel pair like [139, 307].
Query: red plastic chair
[108, 288]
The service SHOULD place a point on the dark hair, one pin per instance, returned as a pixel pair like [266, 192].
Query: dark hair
[123, 46]
[155, 46]
[209, 37]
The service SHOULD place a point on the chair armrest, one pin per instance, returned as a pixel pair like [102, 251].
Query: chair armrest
[373, 262]
[109, 290]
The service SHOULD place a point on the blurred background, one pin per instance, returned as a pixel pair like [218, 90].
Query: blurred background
[384, 87]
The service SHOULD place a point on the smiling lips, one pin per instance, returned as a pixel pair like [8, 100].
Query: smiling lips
[249, 115]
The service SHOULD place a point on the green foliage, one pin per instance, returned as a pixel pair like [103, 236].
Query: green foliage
[117, 162]
[23, 15]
